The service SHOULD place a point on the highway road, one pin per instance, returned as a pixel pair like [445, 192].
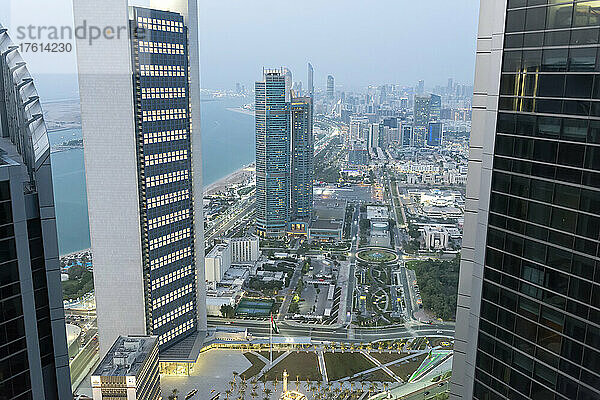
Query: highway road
[340, 334]
[353, 248]
[228, 221]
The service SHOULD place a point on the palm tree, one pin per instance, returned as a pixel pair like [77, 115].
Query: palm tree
[268, 392]
[174, 394]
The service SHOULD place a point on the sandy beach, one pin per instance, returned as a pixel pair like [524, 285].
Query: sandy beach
[236, 177]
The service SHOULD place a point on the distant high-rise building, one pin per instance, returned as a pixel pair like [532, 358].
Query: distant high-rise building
[330, 87]
[390, 122]
[450, 85]
[311, 79]
[434, 134]
[435, 107]
[406, 135]
[421, 87]
[288, 84]
[421, 110]
[528, 317]
[302, 145]
[34, 363]
[374, 136]
[143, 170]
[272, 117]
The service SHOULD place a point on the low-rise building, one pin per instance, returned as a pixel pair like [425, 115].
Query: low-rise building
[436, 237]
[217, 262]
[244, 249]
[327, 220]
[129, 371]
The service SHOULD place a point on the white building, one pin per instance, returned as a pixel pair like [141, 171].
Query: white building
[217, 262]
[244, 249]
[436, 237]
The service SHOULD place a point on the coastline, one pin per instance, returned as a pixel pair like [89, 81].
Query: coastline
[233, 178]
[240, 110]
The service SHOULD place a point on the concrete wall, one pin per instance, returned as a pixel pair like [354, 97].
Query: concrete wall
[485, 104]
[107, 114]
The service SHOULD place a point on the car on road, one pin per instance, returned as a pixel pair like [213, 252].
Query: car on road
[191, 394]
[426, 393]
[441, 384]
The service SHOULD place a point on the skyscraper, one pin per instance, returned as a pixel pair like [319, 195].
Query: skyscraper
[421, 119]
[143, 172]
[34, 363]
[421, 87]
[302, 158]
[434, 134]
[435, 107]
[406, 135]
[330, 87]
[528, 318]
[272, 118]
[311, 79]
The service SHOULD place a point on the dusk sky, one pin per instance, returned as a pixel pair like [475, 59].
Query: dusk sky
[358, 42]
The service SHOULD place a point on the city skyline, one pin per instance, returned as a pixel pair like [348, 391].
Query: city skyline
[373, 226]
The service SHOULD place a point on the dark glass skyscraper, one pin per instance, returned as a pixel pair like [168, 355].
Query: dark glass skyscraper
[161, 100]
[528, 319]
[302, 156]
[34, 363]
[434, 134]
[272, 119]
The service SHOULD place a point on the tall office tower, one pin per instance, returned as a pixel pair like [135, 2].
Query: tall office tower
[435, 134]
[288, 84]
[272, 118]
[34, 362]
[435, 107]
[374, 136]
[450, 85]
[330, 87]
[311, 81]
[528, 319]
[421, 87]
[406, 135]
[302, 159]
[140, 106]
[422, 110]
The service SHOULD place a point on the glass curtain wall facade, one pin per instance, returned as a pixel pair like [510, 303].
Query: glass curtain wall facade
[34, 363]
[302, 159]
[162, 108]
[272, 119]
[538, 331]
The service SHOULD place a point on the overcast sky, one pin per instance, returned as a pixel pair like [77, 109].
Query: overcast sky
[359, 42]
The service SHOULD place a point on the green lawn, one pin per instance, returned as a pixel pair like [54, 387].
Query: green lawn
[303, 365]
[255, 368]
[341, 365]
[385, 358]
[405, 369]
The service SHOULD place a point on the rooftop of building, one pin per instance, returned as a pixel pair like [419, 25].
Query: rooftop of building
[126, 356]
[377, 212]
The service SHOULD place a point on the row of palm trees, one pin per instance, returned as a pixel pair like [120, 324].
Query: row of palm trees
[242, 389]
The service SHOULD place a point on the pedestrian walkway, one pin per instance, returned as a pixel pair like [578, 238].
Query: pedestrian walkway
[383, 367]
[322, 366]
[268, 364]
